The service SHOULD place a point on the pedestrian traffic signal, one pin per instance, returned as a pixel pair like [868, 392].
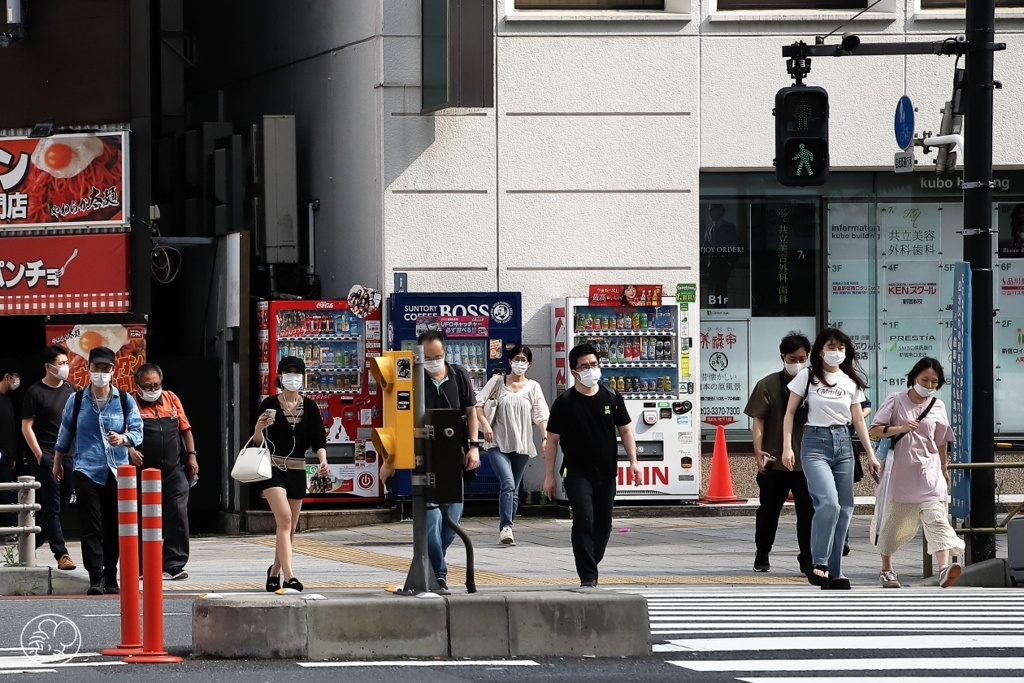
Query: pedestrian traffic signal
[395, 441]
[801, 136]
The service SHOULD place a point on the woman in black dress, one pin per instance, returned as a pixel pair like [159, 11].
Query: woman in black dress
[293, 425]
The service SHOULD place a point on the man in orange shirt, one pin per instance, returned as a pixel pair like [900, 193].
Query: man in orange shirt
[168, 446]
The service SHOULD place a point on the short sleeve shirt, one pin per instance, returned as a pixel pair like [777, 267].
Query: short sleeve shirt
[917, 469]
[587, 429]
[829, 403]
[768, 401]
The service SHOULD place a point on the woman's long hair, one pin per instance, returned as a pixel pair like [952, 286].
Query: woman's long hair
[850, 366]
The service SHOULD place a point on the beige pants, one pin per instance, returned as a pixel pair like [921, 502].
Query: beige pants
[900, 522]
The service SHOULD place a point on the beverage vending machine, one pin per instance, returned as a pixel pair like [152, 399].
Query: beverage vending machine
[480, 327]
[639, 340]
[334, 341]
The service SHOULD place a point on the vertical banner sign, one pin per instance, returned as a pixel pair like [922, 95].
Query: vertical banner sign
[724, 374]
[960, 502]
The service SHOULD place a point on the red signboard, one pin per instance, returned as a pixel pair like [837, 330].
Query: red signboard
[63, 181]
[64, 274]
[128, 342]
[456, 326]
[625, 295]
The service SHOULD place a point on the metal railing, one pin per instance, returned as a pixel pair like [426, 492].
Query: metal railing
[26, 505]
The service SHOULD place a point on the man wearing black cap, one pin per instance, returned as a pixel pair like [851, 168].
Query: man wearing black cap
[104, 423]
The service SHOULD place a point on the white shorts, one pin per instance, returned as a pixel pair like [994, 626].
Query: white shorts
[900, 522]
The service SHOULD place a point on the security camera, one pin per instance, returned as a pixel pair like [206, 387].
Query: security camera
[850, 41]
[961, 39]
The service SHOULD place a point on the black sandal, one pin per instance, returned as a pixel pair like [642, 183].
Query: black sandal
[816, 580]
[840, 584]
[273, 582]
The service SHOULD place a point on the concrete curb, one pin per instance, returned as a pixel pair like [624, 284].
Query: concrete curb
[538, 623]
[24, 580]
[988, 574]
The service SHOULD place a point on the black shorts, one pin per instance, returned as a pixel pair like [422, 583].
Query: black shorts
[292, 481]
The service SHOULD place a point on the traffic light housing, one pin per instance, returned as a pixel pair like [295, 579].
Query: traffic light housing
[801, 136]
[395, 441]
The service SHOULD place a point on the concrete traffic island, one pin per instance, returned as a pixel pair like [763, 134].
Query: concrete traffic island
[501, 623]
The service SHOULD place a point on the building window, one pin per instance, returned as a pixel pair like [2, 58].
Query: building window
[587, 5]
[757, 5]
[960, 4]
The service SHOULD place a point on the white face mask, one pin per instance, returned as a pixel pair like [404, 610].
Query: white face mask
[152, 396]
[433, 366]
[519, 368]
[100, 379]
[590, 377]
[793, 369]
[924, 392]
[834, 358]
[15, 383]
[60, 373]
[292, 381]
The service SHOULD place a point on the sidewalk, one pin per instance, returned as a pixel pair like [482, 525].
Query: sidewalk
[717, 550]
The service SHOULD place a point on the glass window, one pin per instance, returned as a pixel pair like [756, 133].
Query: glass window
[791, 4]
[960, 4]
[591, 4]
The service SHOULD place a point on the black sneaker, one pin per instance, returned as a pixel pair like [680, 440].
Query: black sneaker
[442, 584]
[761, 563]
[110, 587]
[588, 584]
[846, 549]
[95, 588]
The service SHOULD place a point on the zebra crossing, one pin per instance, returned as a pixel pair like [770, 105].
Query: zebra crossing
[796, 633]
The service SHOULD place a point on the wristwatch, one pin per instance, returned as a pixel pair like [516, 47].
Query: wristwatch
[475, 444]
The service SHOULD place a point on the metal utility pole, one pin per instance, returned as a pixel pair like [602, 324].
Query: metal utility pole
[978, 86]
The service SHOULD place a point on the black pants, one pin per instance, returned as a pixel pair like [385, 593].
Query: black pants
[775, 485]
[97, 510]
[591, 501]
[174, 491]
[53, 498]
[7, 497]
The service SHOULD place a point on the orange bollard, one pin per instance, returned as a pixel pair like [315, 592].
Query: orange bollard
[720, 485]
[152, 575]
[127, 538]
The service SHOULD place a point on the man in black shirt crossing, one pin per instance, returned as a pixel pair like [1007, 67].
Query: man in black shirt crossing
[584, 420]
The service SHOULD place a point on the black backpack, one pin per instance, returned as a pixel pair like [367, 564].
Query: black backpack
[80, 396]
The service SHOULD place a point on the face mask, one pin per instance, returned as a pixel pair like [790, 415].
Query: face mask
[100, 379]
[590, 377]
[433, 366]
[15, 383]
[834, 358]
[292, 381]
[793, 369]
[61, 372]
[520, 368]
[152, 396]
[924, 392]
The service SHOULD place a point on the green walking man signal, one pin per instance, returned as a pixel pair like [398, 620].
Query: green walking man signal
[801, 136]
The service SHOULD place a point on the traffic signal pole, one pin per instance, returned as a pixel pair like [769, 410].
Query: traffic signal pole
[978, 46]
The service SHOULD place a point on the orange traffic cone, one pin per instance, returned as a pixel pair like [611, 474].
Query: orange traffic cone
[720, 486]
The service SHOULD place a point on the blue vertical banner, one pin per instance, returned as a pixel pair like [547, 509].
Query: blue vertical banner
[960, 383]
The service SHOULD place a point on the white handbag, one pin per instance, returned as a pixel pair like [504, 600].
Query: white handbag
[253, 463]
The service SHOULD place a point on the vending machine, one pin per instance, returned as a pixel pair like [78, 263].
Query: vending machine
[334, 341]
[640, 342]
[480, 327]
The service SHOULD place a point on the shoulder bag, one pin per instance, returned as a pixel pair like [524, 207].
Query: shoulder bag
[491, 402]
[252, 463]
[886, 443]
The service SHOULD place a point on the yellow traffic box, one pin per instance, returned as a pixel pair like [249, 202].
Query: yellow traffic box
[396, 439]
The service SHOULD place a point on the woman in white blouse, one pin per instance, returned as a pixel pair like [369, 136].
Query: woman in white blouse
[520, 405]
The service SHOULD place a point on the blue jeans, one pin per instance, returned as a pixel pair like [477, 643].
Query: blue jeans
[509, 468]
[440, 536]
[827, 457]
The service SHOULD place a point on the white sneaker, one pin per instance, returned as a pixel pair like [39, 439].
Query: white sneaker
[949, 574]
[506, 537]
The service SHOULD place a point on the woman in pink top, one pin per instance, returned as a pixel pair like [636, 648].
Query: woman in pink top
[918, 488]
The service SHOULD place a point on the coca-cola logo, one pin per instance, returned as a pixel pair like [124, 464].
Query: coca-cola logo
[321, 305]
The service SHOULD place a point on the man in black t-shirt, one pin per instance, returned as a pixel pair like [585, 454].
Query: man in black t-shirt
[584, 420]
[40, 423]
[10, 379]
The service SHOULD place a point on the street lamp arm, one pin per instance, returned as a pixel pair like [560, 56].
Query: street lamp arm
[939, 140]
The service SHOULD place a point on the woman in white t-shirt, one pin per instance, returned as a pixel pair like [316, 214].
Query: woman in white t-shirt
[520, 405]
[834, 391]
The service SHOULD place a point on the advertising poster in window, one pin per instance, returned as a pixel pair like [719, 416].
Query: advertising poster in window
[1009, 338]
[911, 290]
[63, 181]
[850, 232]
[903, 344]
[724, 373]
[1010, 222]
[862, 332]
[724, 260]
[908, 231]
[784, 258]
[128, 342]
[1010, 287]
[850, 290]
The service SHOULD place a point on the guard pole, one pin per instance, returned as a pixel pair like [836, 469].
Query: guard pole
[978, 88]
[152, 575]
[127, 538]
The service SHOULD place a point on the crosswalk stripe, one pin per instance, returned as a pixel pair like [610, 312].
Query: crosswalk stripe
[887, 679]
[495, 663]
[880, 664]
[822, 643]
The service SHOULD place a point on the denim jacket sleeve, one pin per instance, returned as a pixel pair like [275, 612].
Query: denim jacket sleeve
[64, 435]
[133, 426]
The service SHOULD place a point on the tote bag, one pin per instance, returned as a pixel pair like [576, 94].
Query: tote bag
[253, 463]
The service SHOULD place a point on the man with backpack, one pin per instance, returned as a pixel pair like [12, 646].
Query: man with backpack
[584, 420]
[104, 423]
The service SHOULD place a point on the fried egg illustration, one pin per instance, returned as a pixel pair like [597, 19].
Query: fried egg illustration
[66, 157]
[85, 338]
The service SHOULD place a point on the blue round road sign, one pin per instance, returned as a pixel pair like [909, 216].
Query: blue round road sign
[904, 123]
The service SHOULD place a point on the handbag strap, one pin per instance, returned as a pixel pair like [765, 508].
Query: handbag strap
[265, 442]
[924, 413]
